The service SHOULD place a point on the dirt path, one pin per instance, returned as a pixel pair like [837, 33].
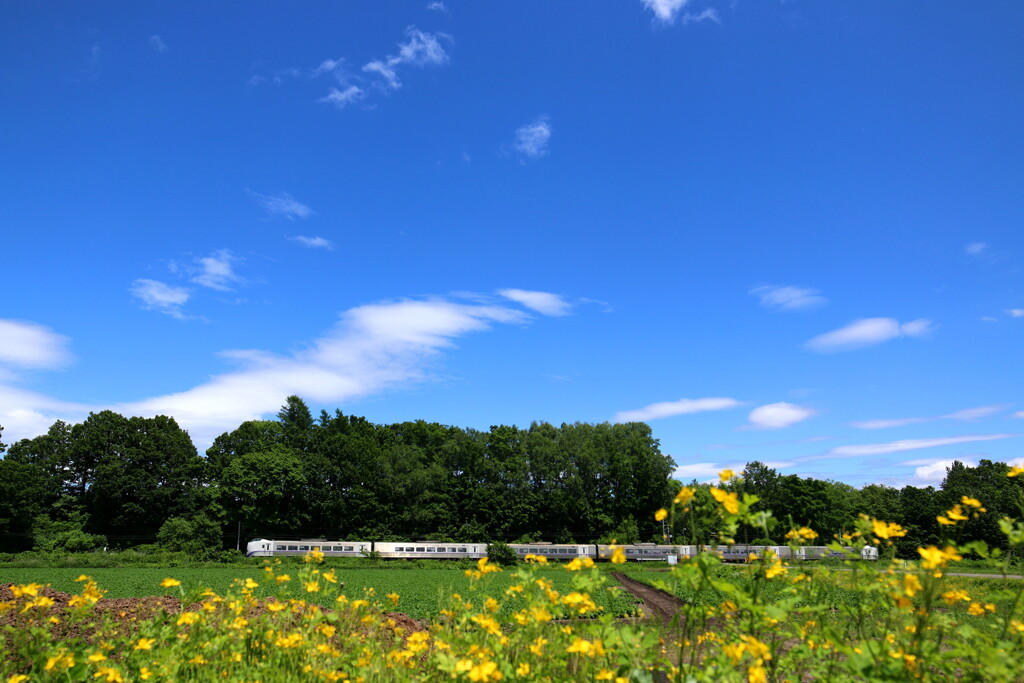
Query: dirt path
[656, 604]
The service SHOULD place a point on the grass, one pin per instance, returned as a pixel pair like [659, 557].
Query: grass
[422, 592]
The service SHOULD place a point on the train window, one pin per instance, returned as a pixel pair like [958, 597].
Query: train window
[430, 550]
[462, 550]
[303, 547]
[348, 548]
[453, 550]
[420, 549]
[280, 547]
[293, 547]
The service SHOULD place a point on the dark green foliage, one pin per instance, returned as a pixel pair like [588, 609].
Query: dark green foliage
[65, 536]
[199, 537]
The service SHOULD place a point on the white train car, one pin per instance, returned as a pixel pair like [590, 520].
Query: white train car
[261, 547]
[554, 551]
[431, 550]
[647, 552]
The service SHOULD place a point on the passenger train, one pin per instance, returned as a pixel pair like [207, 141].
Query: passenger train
[639, 552]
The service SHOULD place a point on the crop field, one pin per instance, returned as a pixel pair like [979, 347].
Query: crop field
[422, 592]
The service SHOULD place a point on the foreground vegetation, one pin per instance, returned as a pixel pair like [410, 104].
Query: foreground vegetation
[766, 621]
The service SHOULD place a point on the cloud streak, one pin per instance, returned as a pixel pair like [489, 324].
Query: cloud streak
[313, 242]
[788, 298]
[965, 415]
[160, 296]
[868, 332]
[545, 303]
[370, 349]
[31, 346]
[910, 445]
[283, 205]
[684, 406]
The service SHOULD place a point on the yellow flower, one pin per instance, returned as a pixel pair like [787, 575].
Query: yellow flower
[605, 675]
[81, 577]
[275, 606]
[145, 644]
[618, 554]
[1014, 471]
[537, 647]
[803, 533]
[282, 578]
[312, 586]
[97, 657]
[250, 584]
[933, 558]
[945, 521]
[955, 596]
[660, 515]
[187, 618]
[112, 675]
[887, 529]
[957, 513]
[484, 672]
[911, 585]
[725, 475]
[523, 669]
[684, 496]
[18, 678]
[170, 583]
[314, 556]
[970, 502]
[728, 500]
[975, 609]
[536, 559]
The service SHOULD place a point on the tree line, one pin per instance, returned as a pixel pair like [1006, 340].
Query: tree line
[123, 482]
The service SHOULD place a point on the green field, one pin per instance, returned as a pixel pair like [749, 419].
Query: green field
[422, 591]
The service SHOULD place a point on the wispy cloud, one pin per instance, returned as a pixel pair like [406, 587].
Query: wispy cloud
[868, 332]
[282, 204]
[778, 416]
[157, 43]
[159, 296]
[343, 98]
[684, 406]
[788, 298]
[217, 272]
[1015, 312]
[32, 346]
[532, 138]
[976, 248]
[542, 302]
[313, 242]
[668, 11]
[437, 7]
[1019, 413]
[966, 415]
[665, 10]
[911, 445]
[370, 349]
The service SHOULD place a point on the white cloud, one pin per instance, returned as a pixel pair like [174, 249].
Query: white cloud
[1015, 312]
[911, 445]
[371, 349]
[343, 98]
[157, 43]
[976, 248]
[778, 415]
[868, 332]
[32, 346]
[313, 242]
[684, 406]
[216, 271]
[542, 302]
[437, 7]
[932, 473]
[1019, 413]
[788, 298]
[282, 205]
[707, 472]
[989, 319]
[665, 10]
[966, 415]
[160, 296]
[532, 138]
[421, 49]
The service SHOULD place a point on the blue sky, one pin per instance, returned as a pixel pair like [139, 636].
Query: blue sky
[781, 231]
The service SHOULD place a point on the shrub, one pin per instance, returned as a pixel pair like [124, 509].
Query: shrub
[502, 553]
[67, 536]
